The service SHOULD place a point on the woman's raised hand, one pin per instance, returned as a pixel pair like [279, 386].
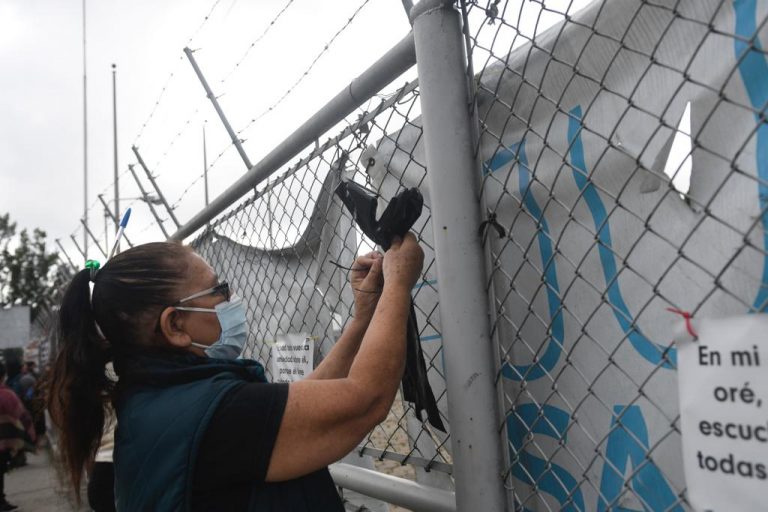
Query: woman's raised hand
[403, 262]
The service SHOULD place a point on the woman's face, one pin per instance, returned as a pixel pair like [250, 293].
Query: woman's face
[200, 327]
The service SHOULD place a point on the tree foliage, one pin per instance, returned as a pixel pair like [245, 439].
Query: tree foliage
[29, 273]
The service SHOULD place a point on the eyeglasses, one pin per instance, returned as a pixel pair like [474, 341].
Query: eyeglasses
[221, 289]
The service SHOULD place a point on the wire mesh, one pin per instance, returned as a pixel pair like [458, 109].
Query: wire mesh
[623, 166]
[282, 249]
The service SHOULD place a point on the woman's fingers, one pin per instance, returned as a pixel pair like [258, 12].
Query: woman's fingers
[375, 274]
[364, 263]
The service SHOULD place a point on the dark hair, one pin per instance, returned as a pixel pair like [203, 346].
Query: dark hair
[2, 371]
[129, 293]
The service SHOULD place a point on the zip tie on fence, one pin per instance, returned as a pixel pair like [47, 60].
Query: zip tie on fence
[339, 265]
[492, 12]
[491, 221]
[687, 317]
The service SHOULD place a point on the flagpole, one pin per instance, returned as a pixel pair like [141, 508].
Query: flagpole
[114, 130]
[85, 144]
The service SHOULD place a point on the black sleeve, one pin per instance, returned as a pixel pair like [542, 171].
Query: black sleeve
[238, 443]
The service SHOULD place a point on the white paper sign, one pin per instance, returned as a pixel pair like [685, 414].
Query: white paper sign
[723, 380]
[292, 357]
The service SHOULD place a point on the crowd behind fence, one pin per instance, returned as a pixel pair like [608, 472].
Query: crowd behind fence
[621, 169]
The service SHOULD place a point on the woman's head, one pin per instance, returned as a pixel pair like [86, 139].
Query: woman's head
[130, 310]
[135, 294]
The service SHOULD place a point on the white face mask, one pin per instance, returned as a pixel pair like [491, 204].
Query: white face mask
[234, 328]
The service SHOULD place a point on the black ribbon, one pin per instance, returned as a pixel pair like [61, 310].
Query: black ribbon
[402, 212]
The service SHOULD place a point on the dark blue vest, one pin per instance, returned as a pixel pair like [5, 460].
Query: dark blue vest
[163, 410]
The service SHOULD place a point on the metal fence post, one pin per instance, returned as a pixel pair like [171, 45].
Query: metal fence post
[146, 200]
[215, 102]
[156, 187]
[93, 237]
[77, 246]
[464, 309]
[66, 255]
[114, 219]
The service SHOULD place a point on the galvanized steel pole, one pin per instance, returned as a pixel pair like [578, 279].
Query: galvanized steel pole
[93, 237]
[454, 184]
[391, 489]
[205, 166]
[145, 197]
[114, 219]
[85, 138]
[61, 248]
[208, 92]
[156, 187]
[74, 241]
[116, 216]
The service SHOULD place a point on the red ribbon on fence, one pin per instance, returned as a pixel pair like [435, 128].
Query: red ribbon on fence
[687, 317]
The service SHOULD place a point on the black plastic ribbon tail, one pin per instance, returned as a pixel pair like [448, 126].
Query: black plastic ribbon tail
[397, 219]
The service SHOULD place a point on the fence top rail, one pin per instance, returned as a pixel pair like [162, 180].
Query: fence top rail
[392, 64]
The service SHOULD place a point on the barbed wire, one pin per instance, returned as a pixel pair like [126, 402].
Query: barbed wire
[184, 127]
[237, 64]
[172, 74]
[195, 112]
[306, 71]
[156, 104]
[255, 42]
[197, 180]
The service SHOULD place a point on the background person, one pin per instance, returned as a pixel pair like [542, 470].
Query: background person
[15, 430]
[198, 430]
[101, 478]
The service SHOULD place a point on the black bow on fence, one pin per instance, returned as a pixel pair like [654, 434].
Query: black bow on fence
[402, 212]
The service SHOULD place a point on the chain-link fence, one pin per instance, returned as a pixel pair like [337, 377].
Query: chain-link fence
[622, 158]
[289, 246]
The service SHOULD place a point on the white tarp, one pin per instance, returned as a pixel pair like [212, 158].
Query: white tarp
[600, 245]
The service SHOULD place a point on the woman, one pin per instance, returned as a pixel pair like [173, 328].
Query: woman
[197, 432]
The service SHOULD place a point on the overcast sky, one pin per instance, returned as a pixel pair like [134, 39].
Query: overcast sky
[41, 107]
[41, 139]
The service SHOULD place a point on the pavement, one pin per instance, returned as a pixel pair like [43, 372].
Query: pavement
[36, 487]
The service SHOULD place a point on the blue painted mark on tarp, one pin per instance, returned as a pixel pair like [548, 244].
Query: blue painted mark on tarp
[754, 73]
[431, 337]
[628, 442]
[646, 348]
[553, 479]
[551, 355]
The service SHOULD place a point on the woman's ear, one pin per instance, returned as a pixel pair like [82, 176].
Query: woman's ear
[172, 327]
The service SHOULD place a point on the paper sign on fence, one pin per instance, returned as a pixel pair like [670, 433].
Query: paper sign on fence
[723, 381]
[292, 357]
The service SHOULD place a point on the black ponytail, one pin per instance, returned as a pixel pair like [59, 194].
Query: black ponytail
[129, 293]
[79, 386]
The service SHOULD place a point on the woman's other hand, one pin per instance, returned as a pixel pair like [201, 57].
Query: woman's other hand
[367, 282]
